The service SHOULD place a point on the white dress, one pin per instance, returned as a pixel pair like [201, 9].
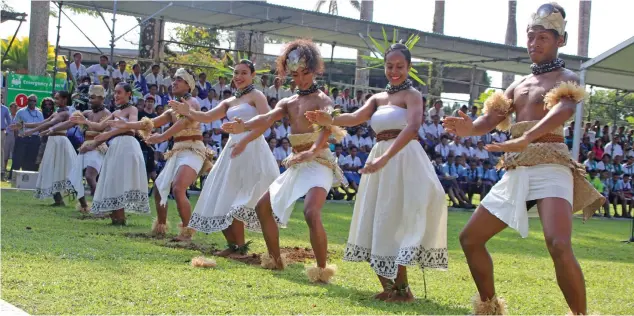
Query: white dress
[235, 185]
[400, 214]
[94, 159]
[57, 161]
[122, 180]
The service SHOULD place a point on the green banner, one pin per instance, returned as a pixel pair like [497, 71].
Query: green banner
[19, 87]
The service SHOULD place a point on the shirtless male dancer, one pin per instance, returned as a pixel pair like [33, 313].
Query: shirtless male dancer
[540, 169]
[311, 169]
[90, 156]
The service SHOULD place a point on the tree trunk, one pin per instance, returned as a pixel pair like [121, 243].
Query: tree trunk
[511, 39]
[256, 49]
[585, 9]
[362, 76]
[38, 37]
[438, 25]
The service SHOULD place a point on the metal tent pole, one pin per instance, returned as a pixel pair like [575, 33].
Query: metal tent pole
[576, 138]
[59, 26]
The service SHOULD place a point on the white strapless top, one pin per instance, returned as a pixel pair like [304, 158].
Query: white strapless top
[244, 111]
[121, 118]
[387, 117]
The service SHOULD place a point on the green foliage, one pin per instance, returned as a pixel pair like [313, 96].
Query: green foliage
[606, 106]
[89, 12]
[55, 263]
[483, 96]
[376, 60]
[197, 35]
[18, 57]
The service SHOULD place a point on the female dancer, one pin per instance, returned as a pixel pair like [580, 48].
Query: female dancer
[122, 181]
[187, 158]
[58, 155]
[400, 215]
[238, 179]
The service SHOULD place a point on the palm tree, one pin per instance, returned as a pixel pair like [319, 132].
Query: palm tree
[438, 25]
[511, 39]
[366, 12]
[38, 46]
[585, 9]
[18, 57]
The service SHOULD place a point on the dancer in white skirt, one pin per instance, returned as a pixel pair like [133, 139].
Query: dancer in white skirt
[123, 184]
[88, 160]
[311, 170]
[240, 177]
[185, 161]
[400, 214]
[59, 154]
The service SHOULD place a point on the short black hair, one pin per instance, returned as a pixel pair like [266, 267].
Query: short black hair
[155, 66]
[152, 85]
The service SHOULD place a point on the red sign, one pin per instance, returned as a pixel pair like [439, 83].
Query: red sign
[21, 100]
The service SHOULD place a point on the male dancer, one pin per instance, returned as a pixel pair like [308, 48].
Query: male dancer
[540, 169]
[311, 169]
[188, 157]
[91, 155]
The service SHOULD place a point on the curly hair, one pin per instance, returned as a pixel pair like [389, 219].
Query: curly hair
[307, 50]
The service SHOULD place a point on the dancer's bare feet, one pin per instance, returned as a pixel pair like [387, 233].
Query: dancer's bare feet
[225, 253]
[401, 296]
[382, 296]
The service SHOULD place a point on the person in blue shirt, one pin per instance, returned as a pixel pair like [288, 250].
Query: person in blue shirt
[489, 178]
[473, 179]
[617, 196]
[5, 117]
[450, 170]
[26, 147]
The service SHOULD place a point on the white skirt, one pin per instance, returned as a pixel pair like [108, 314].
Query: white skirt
[294, 183]
[507, 199]
[234, 187]
[164, 180]
[57, 162]
[400, 214]
[122, 181]
[92, 159]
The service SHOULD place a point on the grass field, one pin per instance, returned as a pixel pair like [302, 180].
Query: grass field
[54, 263]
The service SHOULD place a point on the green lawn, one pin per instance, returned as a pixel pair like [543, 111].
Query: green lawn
[54, 263]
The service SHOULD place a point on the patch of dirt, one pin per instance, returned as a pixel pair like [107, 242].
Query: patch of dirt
[140, 235]
[83, 217]
[204, 249]
[292, 255]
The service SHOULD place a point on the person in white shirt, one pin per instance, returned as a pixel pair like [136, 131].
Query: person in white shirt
[120, 72]
[613, 148]
[434, 130]
[592, 135]
[436, 110]
[155, 77]
[457, 148]
[77, 70]
[480, 152]
[346, 100]
[276, 90]
[357, 102]
[283, 129]
[442, 149]
[263, 85]
[282, 151]
[221, 86]
[351, 166]
[352, 139]
[337, 99]
[211, 101]
[97, 71]
[468, 145]
[153, 92]
[591, 163]
[499, 137]
[167, 81]
[341, 158]
[628, 167]
[206, 127]
[216, 132]
[473, 114]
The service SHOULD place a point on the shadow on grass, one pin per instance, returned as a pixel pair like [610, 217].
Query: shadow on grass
[295, 273]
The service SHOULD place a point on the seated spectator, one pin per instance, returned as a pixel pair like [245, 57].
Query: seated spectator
[615, 166]
[442, 149]
[617, 194]
[628, 167]
[434, 130]
[352, 139]
[489, 177]
[452, 174]
[614, 147]
[598, 149]
[480, 153]
[591, 163]
[282, 151]
[598, 184]
[457, 148]
[627, 196]
[604, 163]
[351, 167]
[474, 180]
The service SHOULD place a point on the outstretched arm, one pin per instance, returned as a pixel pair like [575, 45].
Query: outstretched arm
[51, 121]
[95, 126]
[35, 125]
[258, 122]
[347, 119]
[61, 126]
[215, 114]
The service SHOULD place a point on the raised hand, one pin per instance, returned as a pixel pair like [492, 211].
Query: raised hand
[179, 107]
[461, 126]
[235, 127]
[319, 117]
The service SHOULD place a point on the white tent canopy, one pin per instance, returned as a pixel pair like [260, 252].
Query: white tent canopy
[612, 69]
